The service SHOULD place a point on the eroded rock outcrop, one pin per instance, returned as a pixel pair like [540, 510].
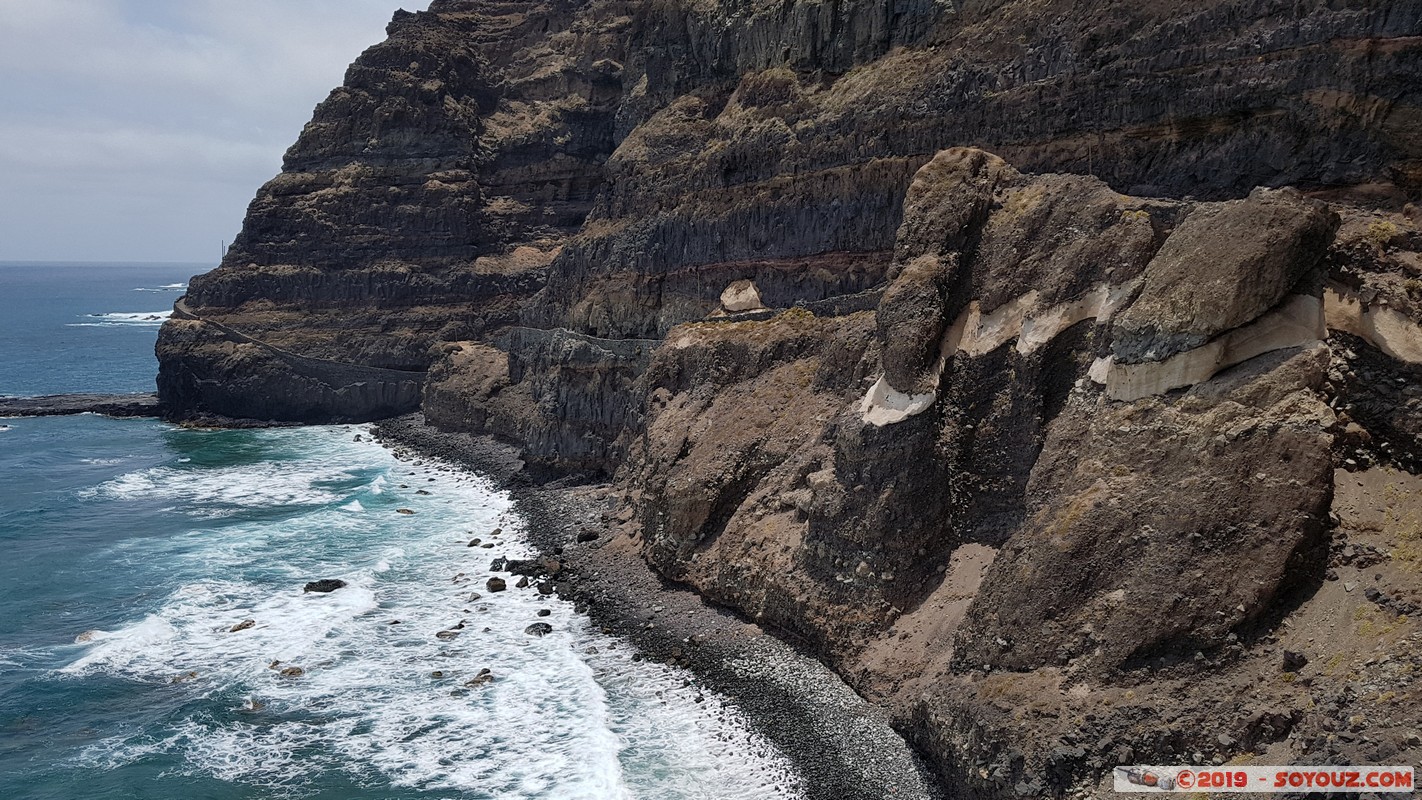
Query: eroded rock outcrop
[1027, 528]
[1132, 508]
[1096, 504]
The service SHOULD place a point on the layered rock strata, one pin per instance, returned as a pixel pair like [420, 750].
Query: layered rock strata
[656, 154]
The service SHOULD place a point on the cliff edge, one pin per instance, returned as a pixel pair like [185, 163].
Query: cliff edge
[1052, 372]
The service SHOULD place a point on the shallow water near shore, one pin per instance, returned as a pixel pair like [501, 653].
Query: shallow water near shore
[151, 543]
[134, 548]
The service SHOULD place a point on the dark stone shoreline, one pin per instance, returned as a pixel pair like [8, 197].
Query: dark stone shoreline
[123, 406]
[112, 405]
[843, 747]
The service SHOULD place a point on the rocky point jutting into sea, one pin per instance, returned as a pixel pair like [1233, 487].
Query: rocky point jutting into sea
[1049, 369]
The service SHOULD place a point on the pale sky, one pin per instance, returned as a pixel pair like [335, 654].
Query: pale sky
[138, 130]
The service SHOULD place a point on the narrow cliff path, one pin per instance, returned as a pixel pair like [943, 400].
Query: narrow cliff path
[181, 310]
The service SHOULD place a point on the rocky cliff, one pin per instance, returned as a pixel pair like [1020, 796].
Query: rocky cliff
[1050, 370]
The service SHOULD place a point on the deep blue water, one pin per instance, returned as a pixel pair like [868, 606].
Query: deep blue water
[131, 549]
[83, 327]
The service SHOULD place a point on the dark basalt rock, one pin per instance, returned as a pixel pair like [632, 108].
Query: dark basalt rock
[112, 405]
[538, 629]
[1140, 502]
[527, 567]
[945, 205]
[324, 585]
[912, 318]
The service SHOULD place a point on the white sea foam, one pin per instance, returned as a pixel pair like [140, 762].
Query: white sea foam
[192, 631]
[18, 656]
[117, 648]
[569, 715]
[167, 287]
[124, 319]
[249, 486]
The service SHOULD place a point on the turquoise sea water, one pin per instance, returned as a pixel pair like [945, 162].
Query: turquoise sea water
[130, 549]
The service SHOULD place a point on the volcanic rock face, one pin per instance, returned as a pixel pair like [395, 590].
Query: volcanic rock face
[1021, 439]
[705, 144]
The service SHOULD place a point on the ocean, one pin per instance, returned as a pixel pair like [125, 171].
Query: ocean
[151, 600]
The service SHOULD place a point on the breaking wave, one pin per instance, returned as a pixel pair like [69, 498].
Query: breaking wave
[124, 319]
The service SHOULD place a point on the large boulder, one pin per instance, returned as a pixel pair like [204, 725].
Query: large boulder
[947, 200]
[911, 320]
[1225, 265]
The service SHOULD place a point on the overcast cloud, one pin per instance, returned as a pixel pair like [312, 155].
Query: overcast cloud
[138, 130]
